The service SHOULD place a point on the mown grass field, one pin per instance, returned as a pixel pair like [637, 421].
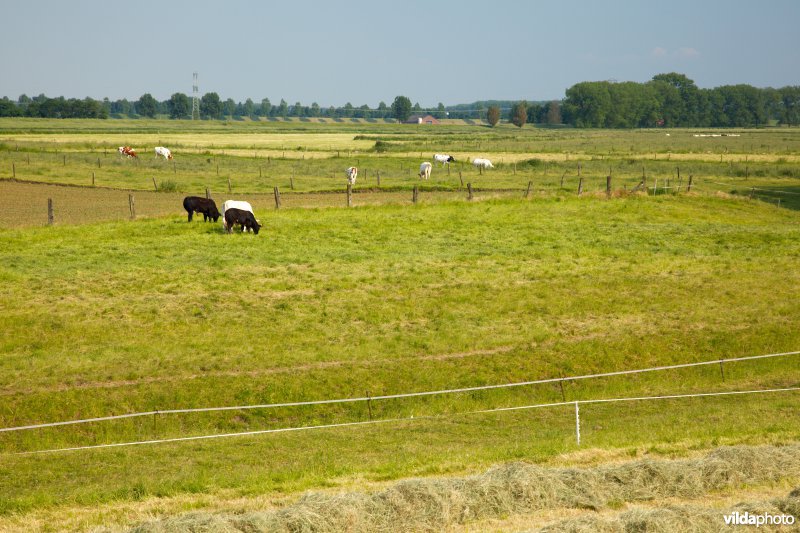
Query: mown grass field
[124, 316]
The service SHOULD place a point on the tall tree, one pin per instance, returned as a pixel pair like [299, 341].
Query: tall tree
[401, 108]
[493, 115]
[249, 108]
[519, 114]
[147, 106]
[266, 107]
[179, 106]
[554, 113]
[283, 109]
[211, 106]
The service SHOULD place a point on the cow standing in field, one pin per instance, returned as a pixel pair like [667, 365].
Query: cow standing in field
[245, 219]
[425, 170]
[444, 159]
[163, 152]
[484, 163]
[235, 204]
[351, 172]
[127, 151]
[198, 204]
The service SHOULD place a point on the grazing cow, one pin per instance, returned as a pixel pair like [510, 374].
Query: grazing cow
[163, 152]
[425, 170]
[127, 150]
[198, 204]
[444, 159]
[485, 163]
[351, 172]
[235, 204]
[243, 218]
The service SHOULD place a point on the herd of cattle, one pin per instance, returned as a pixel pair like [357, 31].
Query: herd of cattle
[239, 213]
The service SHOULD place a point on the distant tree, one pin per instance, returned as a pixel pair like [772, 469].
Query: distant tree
[441, 112]
[401, 108]
[519, 114]
[347, 111]
[178, 106]
[211, 106]
[554, 113]
[229, 107]
[493, 115]
[9, 108]
[249, 108]
[147, 106]
[266, 107]
[417, 108]
[315, 110]
[283, 108]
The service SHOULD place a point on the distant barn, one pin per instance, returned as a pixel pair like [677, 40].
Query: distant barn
[422, 119]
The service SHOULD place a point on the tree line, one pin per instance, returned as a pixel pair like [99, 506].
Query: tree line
[211, 106]
[667, 100]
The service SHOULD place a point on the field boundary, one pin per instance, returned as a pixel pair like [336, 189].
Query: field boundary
[720, 362]
[576, 403]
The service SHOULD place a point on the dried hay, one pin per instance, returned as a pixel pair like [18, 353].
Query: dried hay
[684, 518]
[433, 504]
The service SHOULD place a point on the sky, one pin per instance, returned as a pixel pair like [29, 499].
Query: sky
[365, 52]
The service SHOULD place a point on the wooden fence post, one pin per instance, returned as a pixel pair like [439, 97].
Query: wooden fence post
[528, 192]
[208, 194]
[229, 185]
[98, 162]
[608, 186]
[13, 170]
[259, 171]
[460, 179]
[277, 197]
[579, 169]
[291, 182]
[469, 191]
[689, 185]
[155, 186]
[132, 206]
[562, 179]
[92, 178]
[174, 168]
[580, 186]
[50, 216]
[65, 160]
[349, 195]
[415, 194]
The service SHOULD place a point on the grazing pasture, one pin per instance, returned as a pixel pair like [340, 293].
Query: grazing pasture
[102, 315]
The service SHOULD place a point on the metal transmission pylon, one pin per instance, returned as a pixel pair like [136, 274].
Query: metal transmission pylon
[195, 98]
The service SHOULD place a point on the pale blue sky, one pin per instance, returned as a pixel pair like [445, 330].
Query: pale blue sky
[364, 52]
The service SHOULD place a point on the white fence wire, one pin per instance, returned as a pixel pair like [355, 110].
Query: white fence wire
[576, 403]
[396, 396]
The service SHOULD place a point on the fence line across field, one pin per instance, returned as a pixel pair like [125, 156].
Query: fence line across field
[576, 403]
[397, 396]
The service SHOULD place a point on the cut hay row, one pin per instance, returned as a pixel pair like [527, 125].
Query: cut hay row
[434, 504]
[693, 518]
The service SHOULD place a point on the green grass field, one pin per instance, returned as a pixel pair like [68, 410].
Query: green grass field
[125, 316]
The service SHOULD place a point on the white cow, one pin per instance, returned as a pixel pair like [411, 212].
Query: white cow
[351, 172]
[479, 162]
[236, 204]
[425, 170]
[164, 152]
[444, 159]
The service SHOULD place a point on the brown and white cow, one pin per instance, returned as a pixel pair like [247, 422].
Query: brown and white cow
[127, 150]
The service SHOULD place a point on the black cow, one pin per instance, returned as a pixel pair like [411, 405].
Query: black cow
[198, 204]
[243, 218]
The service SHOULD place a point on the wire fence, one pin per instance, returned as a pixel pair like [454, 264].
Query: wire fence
[441, 392]
[576, 403]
